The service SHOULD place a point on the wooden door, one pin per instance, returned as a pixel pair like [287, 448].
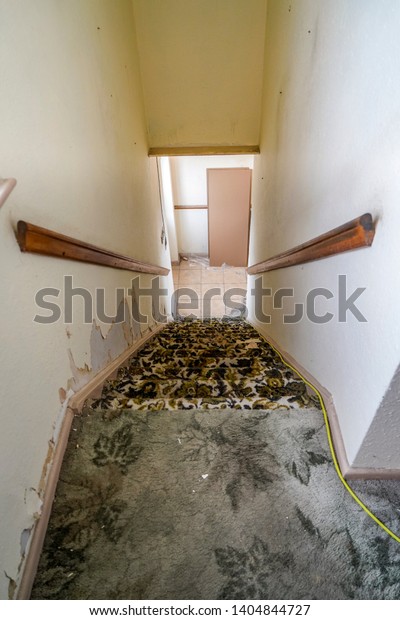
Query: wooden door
[228, 215]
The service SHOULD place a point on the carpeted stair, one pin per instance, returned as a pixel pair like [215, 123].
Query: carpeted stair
[171, 492]
[206, 364]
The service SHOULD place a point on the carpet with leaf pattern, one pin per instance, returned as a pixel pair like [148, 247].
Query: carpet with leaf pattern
[209, 364]
[204, 472]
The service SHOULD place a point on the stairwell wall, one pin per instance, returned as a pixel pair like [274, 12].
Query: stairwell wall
[329, 152]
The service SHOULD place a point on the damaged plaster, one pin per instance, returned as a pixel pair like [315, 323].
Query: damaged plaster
[12, 587]
[104, 348]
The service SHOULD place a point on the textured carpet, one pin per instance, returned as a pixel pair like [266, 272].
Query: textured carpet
[211, 505]
[203, 472]
[210, 364]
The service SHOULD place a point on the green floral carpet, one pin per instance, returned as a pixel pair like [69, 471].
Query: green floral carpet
[212, 502]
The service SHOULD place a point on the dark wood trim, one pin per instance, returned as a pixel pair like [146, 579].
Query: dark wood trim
[177, 151]
[357, 233]
[39, 240]
[183, 207]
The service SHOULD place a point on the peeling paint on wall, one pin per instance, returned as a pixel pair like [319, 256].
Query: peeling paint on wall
[12, 586]
[33, 502]
[103, 349]
[46, 468]
[25, 539]
[62, 394]
[78, 374]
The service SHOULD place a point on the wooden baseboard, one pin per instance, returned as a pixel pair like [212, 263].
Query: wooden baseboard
[348, 472]
[73, 408]
[39, 531]
[361, 473]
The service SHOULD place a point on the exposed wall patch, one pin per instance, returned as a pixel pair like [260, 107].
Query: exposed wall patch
[12, 586]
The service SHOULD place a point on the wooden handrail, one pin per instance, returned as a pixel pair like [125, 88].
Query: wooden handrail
[6, 187]
[39, 240]
[357, 233]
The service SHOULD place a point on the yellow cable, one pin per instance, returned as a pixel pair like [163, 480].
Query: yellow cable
[335, 461]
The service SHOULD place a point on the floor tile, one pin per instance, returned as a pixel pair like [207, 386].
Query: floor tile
[189, 264]
[195, 287]
[213, 308]
[187, 276]
[235, 288]
[210, 276]
[185, 312]
[233, 278]
[218, 286]
[236, 270]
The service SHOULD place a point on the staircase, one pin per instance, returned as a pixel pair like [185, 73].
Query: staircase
[209, 364]
[204, 472]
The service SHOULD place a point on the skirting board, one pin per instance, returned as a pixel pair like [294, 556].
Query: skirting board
[74, 407]
[348, 472]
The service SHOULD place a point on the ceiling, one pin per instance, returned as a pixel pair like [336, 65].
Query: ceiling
[202, 70]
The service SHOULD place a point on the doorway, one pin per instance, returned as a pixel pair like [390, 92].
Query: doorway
[190, 203]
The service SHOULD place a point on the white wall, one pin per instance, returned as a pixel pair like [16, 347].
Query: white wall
[73, 134]
[189, 183]
[330, 150]
[189, 175]
[202, 70]
[192, 231]
[164, 169]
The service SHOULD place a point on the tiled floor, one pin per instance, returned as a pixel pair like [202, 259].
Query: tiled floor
[205, 292]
